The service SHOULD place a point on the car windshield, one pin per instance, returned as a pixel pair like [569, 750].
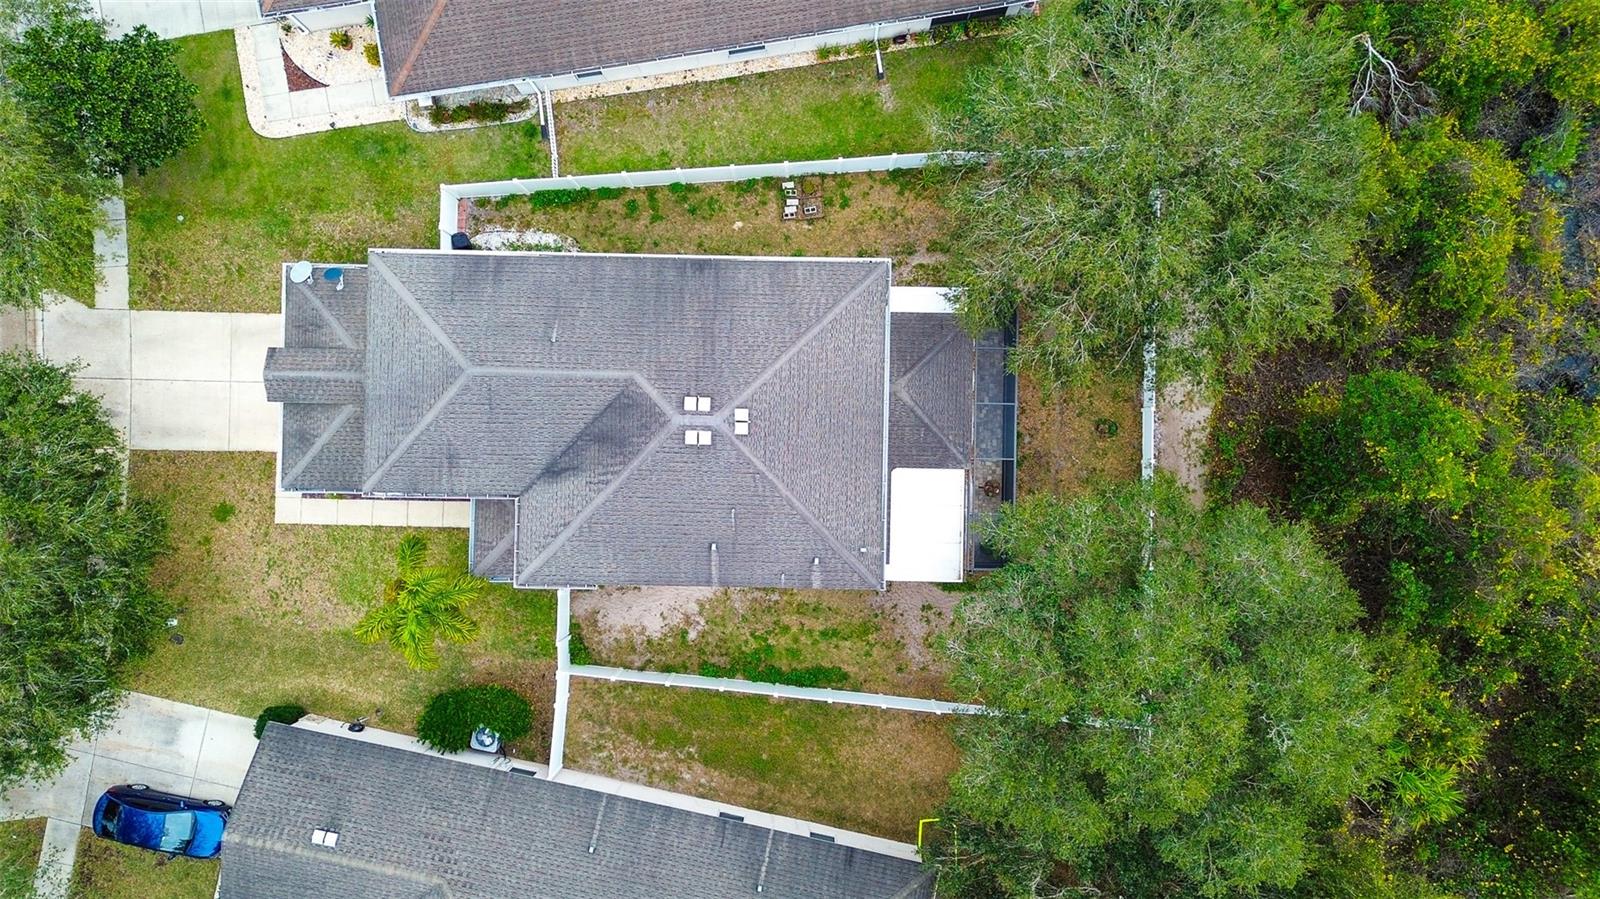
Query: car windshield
[178, 831]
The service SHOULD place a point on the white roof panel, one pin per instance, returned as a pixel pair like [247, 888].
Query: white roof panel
[927, 525]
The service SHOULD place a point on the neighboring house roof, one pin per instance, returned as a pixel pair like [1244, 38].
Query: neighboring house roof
[271, 8]
[417, 826]
[557, 381]
[432, 46]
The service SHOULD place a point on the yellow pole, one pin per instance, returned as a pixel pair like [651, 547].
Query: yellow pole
[919, 830]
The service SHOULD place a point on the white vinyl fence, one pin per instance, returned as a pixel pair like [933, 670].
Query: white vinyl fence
[451, 195]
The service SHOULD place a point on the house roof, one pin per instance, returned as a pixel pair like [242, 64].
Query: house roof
[557, 381]
[930, 408]
[432, 46]
[271, 8]
[417, 826]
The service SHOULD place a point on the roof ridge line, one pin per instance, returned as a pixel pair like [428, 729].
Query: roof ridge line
[802, 341]
[804, 513]
[318, 445]
[338, 326]
[422, 424]
[345, 859]
[588, 511]
[428, 323]
[520, 371]
[425, 32]
[916, 409]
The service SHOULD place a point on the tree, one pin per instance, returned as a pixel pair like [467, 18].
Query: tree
[422, 604]
[75, 560]
[1175, 168]
[50, 213]
[121, 105]
[1193, 720]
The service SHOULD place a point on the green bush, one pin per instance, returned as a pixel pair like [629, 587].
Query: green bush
[450, 718]
[372, 55]
[341, 39]
[282, 714]
[487, 111]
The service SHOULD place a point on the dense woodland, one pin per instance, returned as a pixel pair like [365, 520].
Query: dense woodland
[1372, 229]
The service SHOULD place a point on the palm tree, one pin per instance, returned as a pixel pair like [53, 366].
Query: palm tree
[423, 602]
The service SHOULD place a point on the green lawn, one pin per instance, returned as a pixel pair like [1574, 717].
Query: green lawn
[266, 609]
[857, 768]
[881, 644]
[19, 854]
[249, 203]
[107, 870]
[896, 215]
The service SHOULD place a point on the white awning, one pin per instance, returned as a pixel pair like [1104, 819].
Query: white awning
[920, 299]
[927, 525]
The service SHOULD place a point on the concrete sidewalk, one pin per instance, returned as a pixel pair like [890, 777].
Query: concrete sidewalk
[169, 745]
[172, 380]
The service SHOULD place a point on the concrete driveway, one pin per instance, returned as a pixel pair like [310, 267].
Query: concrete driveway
[176, 18]
[172, 380]
[168, 745]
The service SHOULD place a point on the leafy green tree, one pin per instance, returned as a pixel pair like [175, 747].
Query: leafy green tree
[50, 212]
[1178, 168]
[1193, 720]
[423, 604]
[75, 560]
[121, 104]
[1391, 438]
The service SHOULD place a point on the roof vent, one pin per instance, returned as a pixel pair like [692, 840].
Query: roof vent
[693, 403]
[697, 437]
[704, 403]
[325, 838]
[689, 403]
[741, 421]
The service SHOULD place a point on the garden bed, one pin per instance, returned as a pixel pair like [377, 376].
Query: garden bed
[266, 610]
[890, 214]
[880, 643]
[857, 768]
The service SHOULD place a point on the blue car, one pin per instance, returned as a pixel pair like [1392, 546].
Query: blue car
[139, 816]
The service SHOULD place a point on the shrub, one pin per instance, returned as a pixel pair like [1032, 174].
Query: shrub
[489, 111]
[282, 714]
[341, 39]
[450, 717]
[372, 55]
[223, 511]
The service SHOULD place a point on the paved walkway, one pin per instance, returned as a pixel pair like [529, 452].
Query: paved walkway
[276, 111]
[172, 380]
[169, 745]
[176, 18]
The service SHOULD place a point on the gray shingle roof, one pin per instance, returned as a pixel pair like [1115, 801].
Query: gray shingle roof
[416, 826]
[432, 46]
[931, 404]
[557, 380]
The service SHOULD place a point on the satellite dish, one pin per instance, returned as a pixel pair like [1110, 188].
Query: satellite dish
[300, 272]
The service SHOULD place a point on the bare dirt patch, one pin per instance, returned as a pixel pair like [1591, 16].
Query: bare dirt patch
[1183, 435]
[611, 613]
[1070, 439]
